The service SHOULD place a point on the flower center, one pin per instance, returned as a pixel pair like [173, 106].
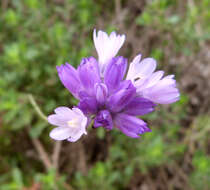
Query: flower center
[73, 123]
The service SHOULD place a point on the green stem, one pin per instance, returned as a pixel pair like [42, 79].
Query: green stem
[36, 107]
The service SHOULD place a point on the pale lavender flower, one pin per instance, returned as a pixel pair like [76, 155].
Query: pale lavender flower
[152, 85]
[107, 96]
[71, 124]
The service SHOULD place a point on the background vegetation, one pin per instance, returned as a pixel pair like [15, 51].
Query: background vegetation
[37, 35]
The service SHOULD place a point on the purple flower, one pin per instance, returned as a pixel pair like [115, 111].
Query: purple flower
[107, 96]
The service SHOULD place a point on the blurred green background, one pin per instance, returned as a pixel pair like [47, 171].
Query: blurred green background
[37, 35]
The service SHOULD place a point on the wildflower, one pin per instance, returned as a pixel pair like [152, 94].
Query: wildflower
[71, 124]
[107, 96]
[152, 85]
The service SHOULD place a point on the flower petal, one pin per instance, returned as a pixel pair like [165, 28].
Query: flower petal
[60, 133]
[132, 67]
[88, 105]
[76, 134]
[106, 46]
[143, 69]
[89, 74]
[164, 92]
[139, 106]
[146, 67]
[69, 77]
[64, 112]
[101, 93]
[148, 82]
[57, 120]
[117, 101]
[115, 72]
[154, 79]
[131, 125]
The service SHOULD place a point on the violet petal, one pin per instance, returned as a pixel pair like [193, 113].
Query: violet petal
[89, 74]
[139, 106]
[69, 77]
[130, 125]
[121, 98]
[115, 72]
[88, 105]
[101, 93]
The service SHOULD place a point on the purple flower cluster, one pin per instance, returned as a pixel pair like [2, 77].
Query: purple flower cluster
[110, 93]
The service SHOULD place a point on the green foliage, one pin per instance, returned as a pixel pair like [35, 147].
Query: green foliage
[16, 182]
[185, 29]
[48, 181]
[201, 175]
[104, 176]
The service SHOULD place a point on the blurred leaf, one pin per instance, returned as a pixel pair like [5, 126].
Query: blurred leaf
[11, 17]
[144, 19]
[173, 19]
[37, 129]
[17, 176]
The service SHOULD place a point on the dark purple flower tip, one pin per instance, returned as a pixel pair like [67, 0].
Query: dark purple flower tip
[103, 119]
[89, 74]
[139, 106]
[121, 98]
[130, 125]
[115, 72]
[69, 77]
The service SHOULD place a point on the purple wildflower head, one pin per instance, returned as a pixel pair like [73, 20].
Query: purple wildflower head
[109, 97]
